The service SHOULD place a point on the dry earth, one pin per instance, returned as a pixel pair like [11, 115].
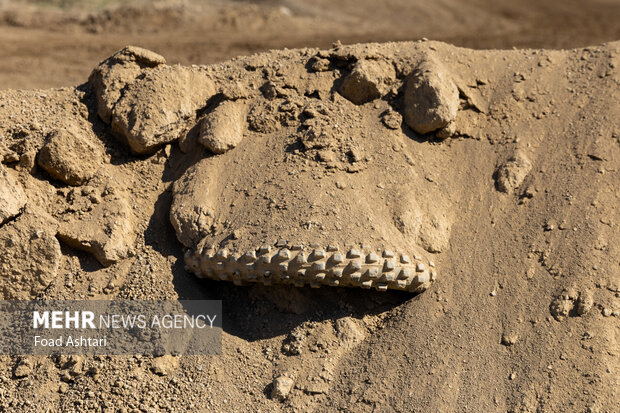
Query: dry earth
[500, 167]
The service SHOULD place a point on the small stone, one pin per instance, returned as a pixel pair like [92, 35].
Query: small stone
[369, 80]
[27, 162]
[356, 155]
[282, 386]
[391, 119]
[512, 376]
[71, 156]
[222, 129]
[164, 365]
[509, 338]
[447, 131]
[12, 196]
[606, 312]
[549, 225]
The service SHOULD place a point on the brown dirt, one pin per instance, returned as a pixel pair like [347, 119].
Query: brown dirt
[511, 193]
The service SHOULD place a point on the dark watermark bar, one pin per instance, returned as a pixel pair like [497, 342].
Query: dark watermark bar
[113, 327]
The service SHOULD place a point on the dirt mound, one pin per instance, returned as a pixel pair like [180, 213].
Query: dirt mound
[491, 173]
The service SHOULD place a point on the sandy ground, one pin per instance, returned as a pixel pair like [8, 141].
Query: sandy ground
[495, 171]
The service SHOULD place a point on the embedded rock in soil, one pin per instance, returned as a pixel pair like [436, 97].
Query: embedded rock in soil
[510, 175]
[282, 386]
[71, 155]
[164, 365]
[30, 255]
[106, 231]
[431, 98]
[369, 80]
[12, 196]
[222, 129]
[157, 107]
[192, 211]
[114, 73]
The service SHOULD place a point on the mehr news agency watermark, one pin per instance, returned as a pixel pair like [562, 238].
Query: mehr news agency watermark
[113, 327]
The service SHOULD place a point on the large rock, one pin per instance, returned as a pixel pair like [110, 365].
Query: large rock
[222, 129]
[369, 80]
[107, 231]
[12, 196]
[192, 211]
[431, 98]
[157, 107]
[30, 255]
[113, 74]
[71, 155]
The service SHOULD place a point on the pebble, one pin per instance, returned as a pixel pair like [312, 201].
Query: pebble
[282, 386]
[509, 339]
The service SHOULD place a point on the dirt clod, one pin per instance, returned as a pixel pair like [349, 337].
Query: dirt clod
[193, 208]
[71, 155]
[30, 256]
[282, 386]
[369, 80]
[157, 107]
[12, 196]
[112, 75]
[222, 129]
[107, 230]
[511, 174]
[585, 302]
[431, 98]
[164, 365]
